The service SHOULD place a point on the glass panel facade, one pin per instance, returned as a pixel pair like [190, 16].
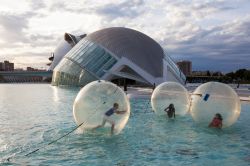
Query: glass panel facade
[84, 63]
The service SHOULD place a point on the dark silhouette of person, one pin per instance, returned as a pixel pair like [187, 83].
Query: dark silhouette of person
[170, 111]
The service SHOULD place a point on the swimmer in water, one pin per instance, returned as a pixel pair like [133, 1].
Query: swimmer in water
[170, 111]
[216, 122]
[107, 117]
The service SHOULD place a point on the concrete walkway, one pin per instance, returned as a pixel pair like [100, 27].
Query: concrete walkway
[137, 92]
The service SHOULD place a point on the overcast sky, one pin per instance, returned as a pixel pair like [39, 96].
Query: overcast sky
[213, 34]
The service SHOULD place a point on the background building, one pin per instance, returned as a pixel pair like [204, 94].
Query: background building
[185, 67]
[115, 54]
[6, 66]
[1, 66]
[9, 74]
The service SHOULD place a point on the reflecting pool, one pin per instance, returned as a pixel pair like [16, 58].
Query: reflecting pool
[31, 115]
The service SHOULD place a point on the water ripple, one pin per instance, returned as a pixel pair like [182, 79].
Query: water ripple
[38, 114]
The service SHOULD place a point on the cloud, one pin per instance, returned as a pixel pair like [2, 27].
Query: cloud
[127, 9]
[17, 42]
[37, 5]
[30, 59]
[201, 31]
[224, 44]
[72, 7]
[12, 27]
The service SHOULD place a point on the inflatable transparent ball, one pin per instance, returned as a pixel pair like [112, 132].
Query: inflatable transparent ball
[211, 98]
[170, 93]
[95, 99]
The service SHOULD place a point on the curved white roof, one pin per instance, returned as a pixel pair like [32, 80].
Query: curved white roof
[134, 45]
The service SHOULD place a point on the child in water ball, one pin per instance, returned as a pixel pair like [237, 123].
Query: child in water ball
[107, 117]
[217, 121]
[170, 110]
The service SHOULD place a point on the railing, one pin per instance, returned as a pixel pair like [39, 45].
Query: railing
[26, 73]
[174, 67]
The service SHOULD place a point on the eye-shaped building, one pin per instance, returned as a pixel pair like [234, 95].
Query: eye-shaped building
[112, 54]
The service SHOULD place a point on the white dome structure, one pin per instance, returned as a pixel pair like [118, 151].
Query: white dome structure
[114, 53]
[63, 47]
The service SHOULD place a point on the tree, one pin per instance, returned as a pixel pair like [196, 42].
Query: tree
[240, 73]
[247, 75]
[208, 73]
[231, 75]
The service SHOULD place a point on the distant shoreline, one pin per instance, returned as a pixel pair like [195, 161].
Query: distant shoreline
[25, 83]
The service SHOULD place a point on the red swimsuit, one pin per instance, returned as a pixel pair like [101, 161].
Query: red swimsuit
[216, 123]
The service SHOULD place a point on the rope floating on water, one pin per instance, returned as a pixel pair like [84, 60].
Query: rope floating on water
[55, 140]
[9, 158]
[36, 150]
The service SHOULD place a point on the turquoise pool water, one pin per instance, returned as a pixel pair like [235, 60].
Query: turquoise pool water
[31, 115]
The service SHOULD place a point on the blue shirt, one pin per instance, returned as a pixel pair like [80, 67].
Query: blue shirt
[110, 112]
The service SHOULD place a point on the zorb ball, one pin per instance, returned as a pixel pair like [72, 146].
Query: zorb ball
[211, 98]
[170, 93]
[94, 100]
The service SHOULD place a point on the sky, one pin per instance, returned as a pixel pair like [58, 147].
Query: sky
[213, 34]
